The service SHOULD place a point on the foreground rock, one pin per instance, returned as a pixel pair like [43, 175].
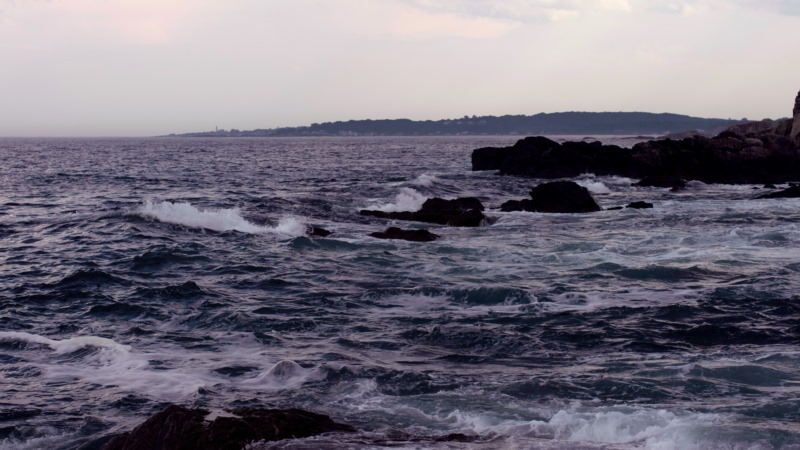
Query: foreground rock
[406, 235]
[555, 197]
[792, 192]
[461, 212]
[760, 152]
[640, 205]
[186, 429]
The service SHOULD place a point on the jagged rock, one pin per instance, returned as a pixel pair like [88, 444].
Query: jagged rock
[461, 212]
[555, 197]
[407, 235]
[179, 428]
[791, 192]
[640, 205]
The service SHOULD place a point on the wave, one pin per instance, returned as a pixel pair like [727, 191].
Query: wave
[67, 345]
[407, 200]
[183, 213]
[595, 187]
[425, 180]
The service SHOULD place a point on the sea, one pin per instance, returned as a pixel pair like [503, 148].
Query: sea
[138, 273]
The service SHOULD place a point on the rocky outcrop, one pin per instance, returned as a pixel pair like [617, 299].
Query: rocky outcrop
[179, 428]
[794, 134]
[757, 152]
[461, 212]
[727, 158]
[555, 197]
[318, 232]
[406, 235]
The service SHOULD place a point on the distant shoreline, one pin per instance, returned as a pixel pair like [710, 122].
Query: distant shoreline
[567, 123]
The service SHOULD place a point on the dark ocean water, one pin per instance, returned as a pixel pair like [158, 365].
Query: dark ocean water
[141, 272]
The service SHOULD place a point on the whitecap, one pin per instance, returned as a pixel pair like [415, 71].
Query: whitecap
[230, 219]
[595, 187]
[285, 374]
[407, 200]
[425, 180]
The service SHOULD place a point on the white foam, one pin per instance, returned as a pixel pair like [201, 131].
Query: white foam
[284, 374]
[407, 200]
[595, 187]
[183, 213]
[425, 180]
[67, 345]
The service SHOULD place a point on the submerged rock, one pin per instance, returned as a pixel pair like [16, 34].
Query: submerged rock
[791, 192]
[639, 205]
[407, 235]
[662, 181]
[318, 232]
[179, 428]
[555, 197]
[461, 212]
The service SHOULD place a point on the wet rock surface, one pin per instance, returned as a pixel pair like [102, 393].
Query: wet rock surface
[555, 197]
[461, 212]
[179, 428]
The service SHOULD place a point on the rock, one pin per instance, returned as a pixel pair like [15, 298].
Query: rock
[318, 232]
[640, 205]
[407, 235]
[663, 181]
[794, 133]
[555, 197]
[756, 152]
[181, 428]
[461, 212]
[770, 186]
[791, 192]
[614, 208]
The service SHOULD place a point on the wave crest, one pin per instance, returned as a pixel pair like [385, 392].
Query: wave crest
[183, 213]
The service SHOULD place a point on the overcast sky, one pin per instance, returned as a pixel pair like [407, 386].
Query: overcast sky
[149, 67]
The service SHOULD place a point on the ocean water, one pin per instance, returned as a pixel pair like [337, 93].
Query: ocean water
[135, 273]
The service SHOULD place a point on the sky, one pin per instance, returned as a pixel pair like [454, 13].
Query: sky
[153, 67]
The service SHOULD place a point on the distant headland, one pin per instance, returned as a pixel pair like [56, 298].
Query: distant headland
[563, 123]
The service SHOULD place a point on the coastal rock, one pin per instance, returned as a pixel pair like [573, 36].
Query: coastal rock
[407, 235]
[662, 181]
[791, 192]
[555, 197]
[461, 212]
[794, 134]
[179, 428]
[756, 152]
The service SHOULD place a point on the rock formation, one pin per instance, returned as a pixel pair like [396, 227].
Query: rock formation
[177, 427]
[461, 212]
[756, 152]
[555, 197]
[794, 134]
[791, 192]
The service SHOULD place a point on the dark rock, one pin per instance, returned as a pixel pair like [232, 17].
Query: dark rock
[792, 192]
[407, 235]
[614, 208]
[461, 212]
[555, 197]
[318, 232]
[770, 186]
[456, 437]
[756, 152]
[663, 181]
[178, 428]
[640, 205]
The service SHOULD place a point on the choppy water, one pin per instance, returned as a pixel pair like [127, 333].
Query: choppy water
[136, 273]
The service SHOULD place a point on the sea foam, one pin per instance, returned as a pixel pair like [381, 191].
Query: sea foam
[407, 200]
[183, 213]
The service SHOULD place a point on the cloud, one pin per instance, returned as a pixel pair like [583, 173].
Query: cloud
[787, 7]
[520, 10]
